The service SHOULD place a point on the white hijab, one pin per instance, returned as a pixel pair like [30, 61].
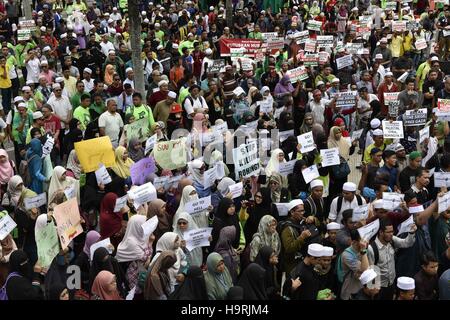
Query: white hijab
[133, 245]
[196, 255]
[57, 185]
[274, 164]
[185, 198]
[193, 168]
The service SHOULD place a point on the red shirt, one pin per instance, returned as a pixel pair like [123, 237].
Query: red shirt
[382, 88]
[52, 125]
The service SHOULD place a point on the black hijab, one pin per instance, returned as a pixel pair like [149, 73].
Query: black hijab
[263, 259]
[223, 219]
[284, 121]
[55, 290]
[252, 281]
[18, 262]
[74, 135]
[57, 272]
[20, 287]
[289, 145]
[257, 212]
[296, 181]
[193, 287]
[235, 293]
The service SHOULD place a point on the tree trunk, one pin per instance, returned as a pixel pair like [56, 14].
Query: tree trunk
[136, 48]
[26, 6]
[229, 14]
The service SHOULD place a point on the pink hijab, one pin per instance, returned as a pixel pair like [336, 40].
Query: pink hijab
[6, 169]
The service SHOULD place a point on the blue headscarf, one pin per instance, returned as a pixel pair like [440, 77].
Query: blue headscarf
[35, 148]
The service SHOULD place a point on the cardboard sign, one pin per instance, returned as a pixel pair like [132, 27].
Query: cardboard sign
[392, 200]
[286, 168]
[150, 143]
[344, 61]
[47, 244]
[330, 157]
[310, 173]
[92, 152]
[102, 175]
[171, 154]
[399, 26]
[346, 100]
[149, 226]
[23, 35]
[310, 46]
[68, 221]
[197, 206]
[216, 66]
[415, 117]
[393, 129]
[424, 134]
[142, 194]
[297, 74]
[139, 130]
[421, 44]
[390, 97]
[7, 224]
[357, 134]
[48, 146]
[220, 128]
[391, 5]
[236, 189]
[266, 106]
[283, 135]
[441, 179]
[360, 213]
[120, 203]
[35, 202]
[306, 142]
[197, 238]
[368, 231]
[246, 160]
[405, 226]
[250, 46]
[70, 192]
[443, 105]
[141, 170]
[310, 59]
[323, 57]
[314, 25]
[282, 209]
[444, 202]
[432, 148]
[275, 43]
[301, 36]
[209, 177]
[325, 41]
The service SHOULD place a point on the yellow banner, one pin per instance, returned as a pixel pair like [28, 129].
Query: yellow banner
[92, 152]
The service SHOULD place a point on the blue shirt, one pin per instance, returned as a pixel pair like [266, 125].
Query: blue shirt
[392, 175]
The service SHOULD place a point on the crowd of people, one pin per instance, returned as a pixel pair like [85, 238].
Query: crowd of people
[272, 108]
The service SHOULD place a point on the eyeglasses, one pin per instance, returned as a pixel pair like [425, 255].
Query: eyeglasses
[258, 196]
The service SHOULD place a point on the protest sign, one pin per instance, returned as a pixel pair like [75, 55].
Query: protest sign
[310, 173]
[120, 203]
[346, 100]
[391, 5]
[102, 175]
[344, 61]
[68, 221]
[360, 213]
[92, 152]
[150, 143]
[286, 168]
[266, 106]
[432, 148]
[353, 48]
[368, 231]
[415, 117]
[306, 142]
[424, 134]
[220, 128]
[392, 200]
[421, 44]
[246, 161]
[70, 192]
[197, 206]
[139, 130]
[27, 25]
[441, 179]
[47, 244]
[48, 146]
[266, 36]
[209, 177]
[283, 135]
[390, 97]
[142, 194]
[405, 226]
[35, 202]
[220, 170]
[393, 129]
[170, 155]
[282, 209]
[246, 64]
[330, 157]
[357, 134]
[197, 238]
[399, 26]
[105, 243]
[236, 189]
[314, 25]
[310, 46]
[216, 66]
[393, 108]
[297, 74]
[250, 46]
[301, 36]
[160, 182]
[323, 57]
[310, 59]
[443, 105]
[149, 226]
[7, 225]
[275, 43]
[412, 25]
[23, 35]
[444, 202]
[141, 170]
[325, 41]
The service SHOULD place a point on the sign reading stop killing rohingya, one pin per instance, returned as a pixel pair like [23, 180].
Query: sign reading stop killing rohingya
[246, 161]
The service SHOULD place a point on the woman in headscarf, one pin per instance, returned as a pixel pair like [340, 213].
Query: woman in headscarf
[267, 235]
[7, 246]
[7, 170]
[58, 291]
[73, 165]
[111, 225]
[135, 250]
[217, 157]
[109, 74]
[314, 11]
[251, 94]
[267, 258]
[75, 135]
[102, 260]
[200, 218]
[296, 182]
[307, 124]
[235, 293]
[157, 208]
[342, 21]
[170, 241]
[193, 287]
[185, 223]
[253, 282]
[60, 182]
[276, 157]
[197, 168]
[123, 163]
[224, 247]
[158, 283]
[33, 156]
[105, 287]
[57, 272]
[222, 191]
[159, 128]
[340, 123]
[19, 281]
[135, 150]
[84, 258]
[225, 216]
[217, 277]
[278, 193]
[283, 88]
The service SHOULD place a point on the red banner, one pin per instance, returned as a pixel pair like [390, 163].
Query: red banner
[251, 46]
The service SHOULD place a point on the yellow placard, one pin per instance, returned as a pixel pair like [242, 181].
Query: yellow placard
[92, 152]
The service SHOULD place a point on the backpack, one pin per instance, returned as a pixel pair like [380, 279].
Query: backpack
[24, 171]
[341, 170]
[341, 198]
[376, 253]
[3, 294]
[339, 269]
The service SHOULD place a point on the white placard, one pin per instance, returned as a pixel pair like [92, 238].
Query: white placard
[392, 200]
[130, 295]
[441, 179]
[444, 202]
[393, 129]
[330, 157]
[142, 194]
[286, 168]
[266, 106]
[120, 203]
[220, 128]
[160, 182]
[405, 226]
[344, 61]
[48, 146]
[390, 97]
[306, 142]
[310, 173]
[424, 134]
[246, 160]
[282, 209]
[7, 225]
[283, 135]
[150, 143]
[236, 189]
[360, 213]
[432, 148]
[278, 112]
[197, 206]
[421, 44]
[209, 177]
[173, 181]
[357, 134]
[149, 226]
[220, 170]
[70, 192]
[35, 202]
[106, 243]
[197, 238]
[102, 175]
[368, 231]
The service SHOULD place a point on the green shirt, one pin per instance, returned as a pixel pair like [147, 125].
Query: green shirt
[255, 35]
[76, 100]
[20, 136]
[82, 115]
[186, 44]
[140, 112]
[31, 105]
[160, 35]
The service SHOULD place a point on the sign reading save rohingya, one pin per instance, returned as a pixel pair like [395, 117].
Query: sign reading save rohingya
[250, 45]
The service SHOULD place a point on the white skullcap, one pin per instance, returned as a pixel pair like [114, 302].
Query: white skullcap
[388, 74]
[365, 51]
[383, 40]
[375, 123]
[162, 82]
[377, 132]
[114, 8]
[88, 70]
[327, 251]
[211, 8]
[46, 48]
[367, 276]
[37, 115]
[157, 25]
[26, 88]
[316, 183]
[59, 79]
[146, 20]
[355, 9]
[44, 63]
[110, 20]
[197, 163]
[40, 13]
[378, 56]
[21, 105]
[434, 58]
[64, 35]
[320, 83]
[29, 82]
[190, 35]
[144, 13]
[333, 226]
[111, 51]
[56, 86]
[416, 209]
[315, 250]
[335, 80]
[341, 50]
[172, 95]
[208, 51]
[238, 91]
[406, 283]
[378, 204]
[43, 29]
[175, 45]
[128, 69]
[349, 186]
[291, 205]
[160, 47]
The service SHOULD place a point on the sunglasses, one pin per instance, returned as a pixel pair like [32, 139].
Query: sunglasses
[258, 196]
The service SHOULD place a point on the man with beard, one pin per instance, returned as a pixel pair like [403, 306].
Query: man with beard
[325, 270]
